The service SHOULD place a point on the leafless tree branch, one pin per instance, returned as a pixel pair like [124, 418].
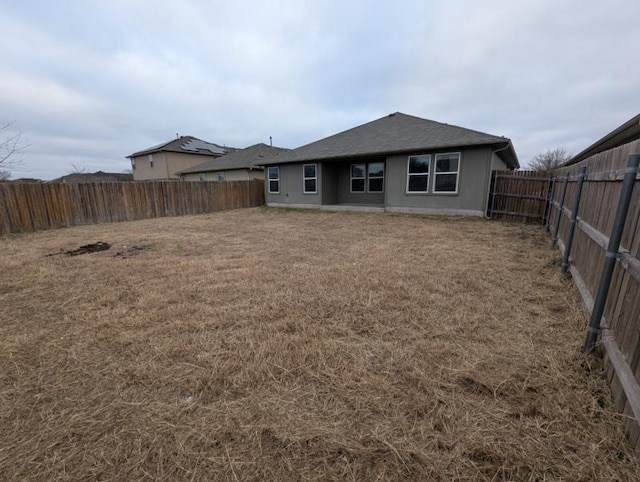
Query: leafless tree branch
[77, 168]
[550, 159]
[10, 146]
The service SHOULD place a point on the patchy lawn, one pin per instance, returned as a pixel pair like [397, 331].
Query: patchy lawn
[272, 344]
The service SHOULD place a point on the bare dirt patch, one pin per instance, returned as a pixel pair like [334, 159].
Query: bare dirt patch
[84, 249]
[273, 345]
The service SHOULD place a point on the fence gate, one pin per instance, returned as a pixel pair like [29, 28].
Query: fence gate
[522, 196]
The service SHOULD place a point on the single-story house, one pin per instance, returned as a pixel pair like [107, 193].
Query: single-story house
[166, 160]
[98, 176]
[30, 180]
[240, 165]
[398, 163]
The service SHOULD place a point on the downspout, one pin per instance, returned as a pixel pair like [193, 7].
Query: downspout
[486, 210]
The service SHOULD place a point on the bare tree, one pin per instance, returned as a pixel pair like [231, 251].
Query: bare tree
[78, 168]
[10, 145]
[550, 159]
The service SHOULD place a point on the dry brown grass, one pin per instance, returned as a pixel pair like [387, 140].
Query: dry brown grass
[273, 345]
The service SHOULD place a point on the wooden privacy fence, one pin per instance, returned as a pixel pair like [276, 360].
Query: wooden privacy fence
[600, 246]
[583, 207]
[31, 207]
[519, 196]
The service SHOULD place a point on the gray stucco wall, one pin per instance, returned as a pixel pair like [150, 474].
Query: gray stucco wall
[329, 183]
[333, 185]
[497, 164]
[475, 168]
[291, 186]
[345, 196]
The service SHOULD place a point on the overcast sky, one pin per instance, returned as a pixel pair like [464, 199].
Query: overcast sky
[90, 82]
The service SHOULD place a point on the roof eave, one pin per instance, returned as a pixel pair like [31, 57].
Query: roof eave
[197, 153]
[627, 132]
[508, 155]
[272, 162]
[214, 169]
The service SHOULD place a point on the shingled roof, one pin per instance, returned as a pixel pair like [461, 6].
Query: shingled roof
[248, 158]
[396, 133]
[627, 132]
[187, 145]
[98, 176]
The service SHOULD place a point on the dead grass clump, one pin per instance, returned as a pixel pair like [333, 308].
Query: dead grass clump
[272, 344]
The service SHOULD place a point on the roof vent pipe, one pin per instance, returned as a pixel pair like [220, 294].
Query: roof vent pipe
[270, 141]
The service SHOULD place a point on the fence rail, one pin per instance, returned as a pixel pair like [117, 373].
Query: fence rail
[519, 196]
[31, 207]
[608, 279]
[596, 225]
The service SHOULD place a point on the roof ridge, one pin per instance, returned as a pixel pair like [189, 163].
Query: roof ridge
[347, 130]
[448, 125]
[393, 114]
[178, 145]
[394, 133]
[241, 159]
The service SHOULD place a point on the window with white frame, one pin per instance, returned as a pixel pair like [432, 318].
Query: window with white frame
[418, 173]
[273, 173]
[221, 176]
[367, 177]
[150, 160]
[310, 178]
[202, 177]
[446, 173]
[133, 164]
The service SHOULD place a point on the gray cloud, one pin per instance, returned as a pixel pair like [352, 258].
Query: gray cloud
[91, 82]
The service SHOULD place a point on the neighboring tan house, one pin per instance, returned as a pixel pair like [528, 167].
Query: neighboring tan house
[166, 160]
[97, 176]
[240, 165]
[398, 163]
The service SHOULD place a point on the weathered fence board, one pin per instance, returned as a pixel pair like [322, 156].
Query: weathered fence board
[594, 221]
[583, 243]
[519, 196]
[32, 207]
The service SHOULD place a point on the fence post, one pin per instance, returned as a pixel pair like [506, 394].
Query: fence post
[547, 204]
[572, 222]
[612, 252]
[565, 183]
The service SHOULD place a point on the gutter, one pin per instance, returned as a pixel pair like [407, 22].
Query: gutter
[362, 155]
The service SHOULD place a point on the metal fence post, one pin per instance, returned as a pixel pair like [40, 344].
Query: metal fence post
[547, 204]
[565, 183]
[572, 222]
[612, 252]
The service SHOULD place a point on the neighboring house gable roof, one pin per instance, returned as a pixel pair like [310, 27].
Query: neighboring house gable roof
[396, 133]
[24, 179]
[248, 158]
[187, 145]
[98, 176]
[627, 132]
